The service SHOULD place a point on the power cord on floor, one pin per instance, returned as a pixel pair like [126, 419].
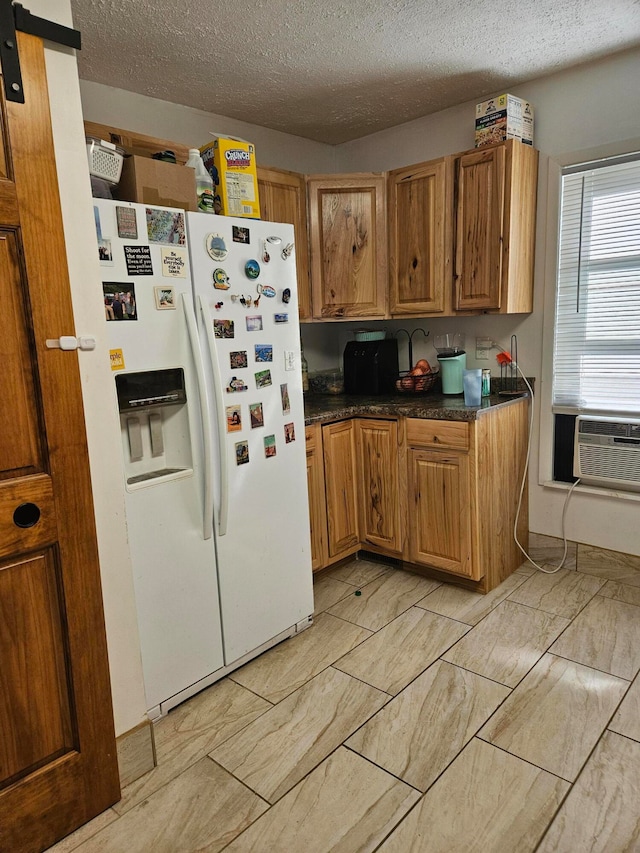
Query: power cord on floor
[509, 360]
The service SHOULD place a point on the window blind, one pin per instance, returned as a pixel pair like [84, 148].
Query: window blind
[597, 328]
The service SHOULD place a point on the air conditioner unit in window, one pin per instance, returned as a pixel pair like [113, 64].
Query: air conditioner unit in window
[606, 452]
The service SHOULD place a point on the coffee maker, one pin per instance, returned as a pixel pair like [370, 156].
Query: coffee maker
[452, 359]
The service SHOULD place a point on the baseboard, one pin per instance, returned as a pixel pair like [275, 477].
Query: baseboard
[136, 753]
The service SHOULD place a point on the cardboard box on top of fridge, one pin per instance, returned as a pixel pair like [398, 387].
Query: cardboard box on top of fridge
[157, 183]
[504, 117]
[231, 162]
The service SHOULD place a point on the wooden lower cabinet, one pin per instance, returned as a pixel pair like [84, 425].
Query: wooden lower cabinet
[339, 450]
[439, 511]
[378, 484]
[317, 501]
[440, 495]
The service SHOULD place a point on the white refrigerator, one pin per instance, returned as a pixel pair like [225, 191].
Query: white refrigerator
[202, 320]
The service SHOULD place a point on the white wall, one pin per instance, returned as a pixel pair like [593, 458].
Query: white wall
[115, 107]
[103, 428]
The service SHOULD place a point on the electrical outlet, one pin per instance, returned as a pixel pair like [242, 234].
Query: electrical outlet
[483, 349]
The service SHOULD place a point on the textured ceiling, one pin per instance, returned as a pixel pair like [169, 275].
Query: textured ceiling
[334, 71]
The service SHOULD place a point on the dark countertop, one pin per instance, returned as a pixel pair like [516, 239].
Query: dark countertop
[331, 407]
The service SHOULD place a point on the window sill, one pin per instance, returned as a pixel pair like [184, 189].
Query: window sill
[598, 491]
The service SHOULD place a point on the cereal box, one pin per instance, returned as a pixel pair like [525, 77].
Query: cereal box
[232, 165]
[504, 117]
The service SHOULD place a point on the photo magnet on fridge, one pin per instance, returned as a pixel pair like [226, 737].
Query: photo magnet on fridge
[119, 300]
[256, 415]
[264, 352]
[254, 324]
[289, 433]
[223, 329]
[280, 318]
[263, 378]
[238, 359]
[242, 452]
[165, 298]
[236, 384]
[234, 419]
[286, 403]
[269, 446]
[239, 235]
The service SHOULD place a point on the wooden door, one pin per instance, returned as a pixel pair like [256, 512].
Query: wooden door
[58, 763]
[479, 222]
[317, 502]
[378, 498]
[439, 510]
[348, 235]
[338, 444]
[283, 198]
[420, 213]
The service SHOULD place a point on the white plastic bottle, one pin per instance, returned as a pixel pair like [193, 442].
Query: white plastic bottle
[204, 181]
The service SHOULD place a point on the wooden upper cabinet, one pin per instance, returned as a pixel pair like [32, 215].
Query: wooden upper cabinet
[283, 198]
[348, 236]
[495, 228]
[420, 216]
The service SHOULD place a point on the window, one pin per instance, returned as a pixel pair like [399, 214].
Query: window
[597, 333]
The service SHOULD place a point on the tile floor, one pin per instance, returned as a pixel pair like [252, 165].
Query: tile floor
[413, 717]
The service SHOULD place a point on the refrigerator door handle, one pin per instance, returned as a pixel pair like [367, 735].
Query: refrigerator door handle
[207, 516]
[220, 411]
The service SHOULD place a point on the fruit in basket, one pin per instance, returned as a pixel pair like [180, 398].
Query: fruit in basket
[407, 383]
[424, 365]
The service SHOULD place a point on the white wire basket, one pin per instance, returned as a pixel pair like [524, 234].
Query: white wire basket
[105, 159]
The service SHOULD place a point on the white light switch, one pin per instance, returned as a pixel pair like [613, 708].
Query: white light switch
[289, 359]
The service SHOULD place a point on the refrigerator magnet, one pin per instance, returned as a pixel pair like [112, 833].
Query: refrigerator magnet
[269, 446]
[256, 415]
[286, 252]
[234, 419]
[286, 295]
[174, 263]
[252, 269]
[236, 384]
[264, 352]
[216, 247]
[265, 256]
[165, 298]
[280, 318]
[274, 240]
[242, 452]
[254, 324]
[165, 226]
[263, 378]
[240, 235]
[119, 300]
[223, 329]
[286, 402]
[266, 290]
[289, 433]
[238, 359]
[127, 224]
[138, 260]
[220, 279]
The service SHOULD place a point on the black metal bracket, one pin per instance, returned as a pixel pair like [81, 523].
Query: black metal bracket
[14, 17]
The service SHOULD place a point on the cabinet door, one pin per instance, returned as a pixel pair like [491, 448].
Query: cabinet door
[283, 198]
[479, 221]
[378, 498]
[338, 444]
[420, 214]
[348, 236]
[439, 511]
[317, 506]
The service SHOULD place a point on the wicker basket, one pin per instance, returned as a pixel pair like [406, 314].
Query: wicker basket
[420, 384]
[105, 159]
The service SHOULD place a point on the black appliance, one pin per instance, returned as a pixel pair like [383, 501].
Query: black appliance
[371, 367]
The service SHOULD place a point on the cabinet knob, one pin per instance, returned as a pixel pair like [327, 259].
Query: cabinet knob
[26, 515]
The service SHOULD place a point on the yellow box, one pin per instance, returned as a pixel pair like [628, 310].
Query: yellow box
[232, 165]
